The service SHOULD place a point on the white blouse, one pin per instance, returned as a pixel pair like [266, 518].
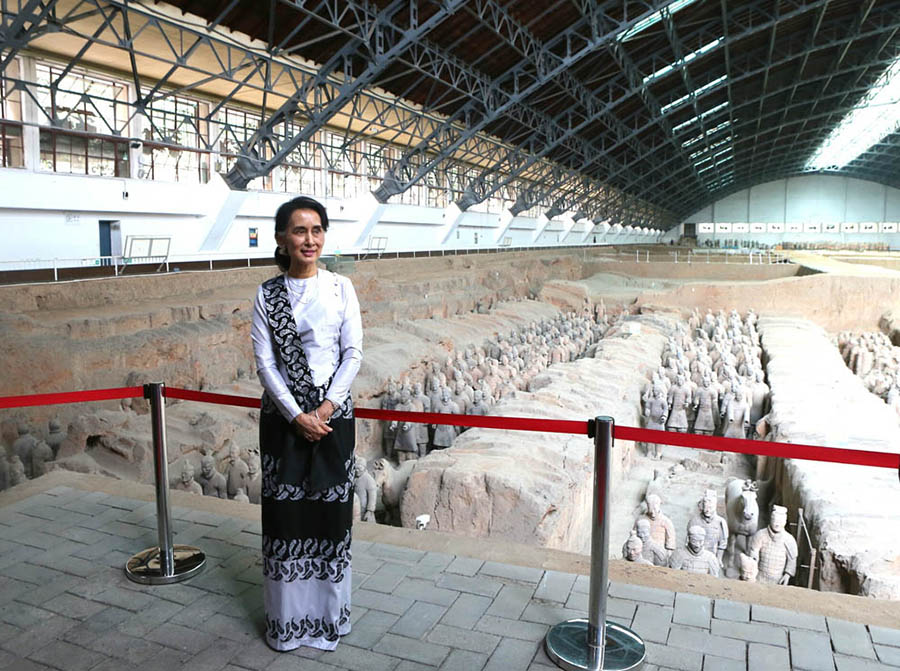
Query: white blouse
[327, 316]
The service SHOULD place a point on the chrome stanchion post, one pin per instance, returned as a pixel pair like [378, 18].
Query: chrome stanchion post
[594, 644]
[166, 563]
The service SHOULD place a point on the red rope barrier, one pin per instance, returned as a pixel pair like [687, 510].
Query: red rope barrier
[695, 441]
[71, 397]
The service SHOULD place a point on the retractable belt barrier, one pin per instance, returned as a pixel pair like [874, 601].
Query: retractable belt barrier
[696, 441]
[591, 643]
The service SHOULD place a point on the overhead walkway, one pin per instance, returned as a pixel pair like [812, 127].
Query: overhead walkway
[421, 600]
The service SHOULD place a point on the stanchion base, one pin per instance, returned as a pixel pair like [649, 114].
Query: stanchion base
[566, 644]
[144, 566]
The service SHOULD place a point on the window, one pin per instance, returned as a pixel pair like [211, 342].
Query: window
[82, 102]
[175, 141]
[83, 154]
[11, 147]
[236, 127]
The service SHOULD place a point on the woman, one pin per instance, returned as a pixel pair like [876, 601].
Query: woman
[307, 339]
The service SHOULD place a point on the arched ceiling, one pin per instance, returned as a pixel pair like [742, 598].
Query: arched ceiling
[673, 104]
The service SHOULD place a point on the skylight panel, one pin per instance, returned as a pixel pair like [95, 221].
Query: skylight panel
[706, 134]
[875, 117]
[692, 120]
[689, 96]
[653, 19]
[662, 72]
[700, 152]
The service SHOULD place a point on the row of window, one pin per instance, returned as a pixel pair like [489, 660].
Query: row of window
[85, 121]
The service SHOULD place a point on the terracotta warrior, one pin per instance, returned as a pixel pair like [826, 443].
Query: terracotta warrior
[241, 495]
[40, 455]
[23, 446]
[679, 400]
[405, 433]
[715, 526]
[187, 482]
[55, 437]
[735, 413]
[749, 568]
[633, 550]
[706, 404]
[236, 477]
[444, 434]
[662, 531]
[694, 557]
[212, 482]
[364, 487]
[653, 552]
[775, 549]
[16, 471]
[422, 404]
[656, 411]
[254, 478]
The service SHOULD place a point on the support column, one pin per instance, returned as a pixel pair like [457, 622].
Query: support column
[453, 215]
[506, 219]
[542, 220]
[370, 212]
[222, 219]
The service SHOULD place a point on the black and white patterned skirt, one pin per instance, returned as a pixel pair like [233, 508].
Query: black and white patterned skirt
[306, 540]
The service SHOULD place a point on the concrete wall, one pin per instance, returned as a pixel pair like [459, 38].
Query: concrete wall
[53, 216]
[797, 202]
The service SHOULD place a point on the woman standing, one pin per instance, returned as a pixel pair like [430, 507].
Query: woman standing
[307, 339]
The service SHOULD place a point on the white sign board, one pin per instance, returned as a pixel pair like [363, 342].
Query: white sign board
[889, 227]
[830, 227]
[706, 228]
[812, 227]
[757, 228]
[723, 228]
[795, 227]
[850, 227]
[868, 227]
[776, 228]
[740, 228]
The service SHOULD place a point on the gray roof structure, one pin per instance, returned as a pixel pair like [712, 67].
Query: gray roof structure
[635, 112]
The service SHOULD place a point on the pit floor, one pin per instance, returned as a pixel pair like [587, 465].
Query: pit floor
[421, 600]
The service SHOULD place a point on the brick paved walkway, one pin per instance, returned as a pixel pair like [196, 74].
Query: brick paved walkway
[66, 604]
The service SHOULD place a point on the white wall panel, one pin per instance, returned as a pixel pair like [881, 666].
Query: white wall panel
[767, 202]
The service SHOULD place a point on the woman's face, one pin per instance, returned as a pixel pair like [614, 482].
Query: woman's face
[302, 240]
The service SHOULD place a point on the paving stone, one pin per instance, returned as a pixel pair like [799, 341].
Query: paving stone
[755, 632]
[358, 659]
[148, 619]
[424, 590]
[464, 639]
[38, 595]
[365, 563]
[256, 655]
[675, 658]
[21, 664]
[850, 638]
[788, 618]
[726, 609]
[811, 651]
[885, 636]
[464, 660]
[180, 638]
[418, 620]
[525, 574]
[692, 609]
[500, 626]
[411, 649]
[131, 649]
[511, 601]
[62, 655]
[370, 628]
[546, 613]
[73, 606]
[511, 653]
[466, 611]
[465, 566]
[652, 622]
[662, 597]
[844, 663]
[378, 601]
[37, 575]
[96, 625]
[888, 654]
[226, 626]
[396, 553]
[480, 585]
[761, 657]
[713, 663]
[37, 637]
[701, 640]
[555, 586]
[386, 577]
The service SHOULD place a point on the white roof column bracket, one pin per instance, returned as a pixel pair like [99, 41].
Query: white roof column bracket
[453, 216]
[506, 219]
